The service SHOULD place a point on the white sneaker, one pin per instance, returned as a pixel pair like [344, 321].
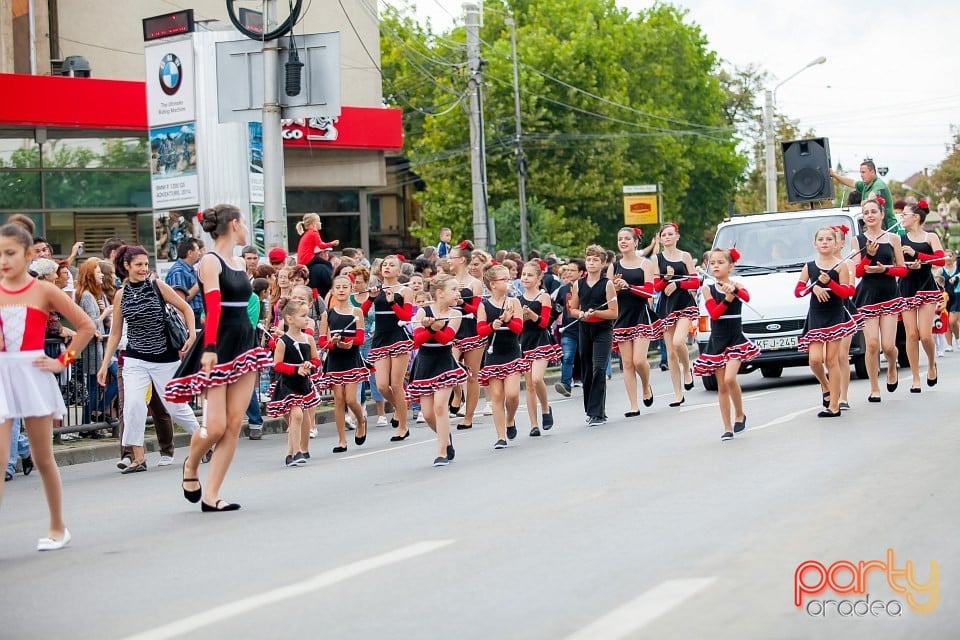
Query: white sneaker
[382, 421]
[940, 354]
[488, 409]
[948, 348]
[125, 462]
[351, 422]
[420, 418]
[165, 461]
[313, 432]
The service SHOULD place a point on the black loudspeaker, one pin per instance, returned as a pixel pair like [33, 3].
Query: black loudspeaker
[806, 169]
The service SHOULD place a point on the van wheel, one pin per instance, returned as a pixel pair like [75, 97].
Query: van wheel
[860, 366]
[771, 372]
[709, 382]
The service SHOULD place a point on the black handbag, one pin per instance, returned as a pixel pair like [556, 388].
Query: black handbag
[174, 326]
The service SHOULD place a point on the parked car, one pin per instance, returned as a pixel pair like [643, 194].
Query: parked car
[773, 249]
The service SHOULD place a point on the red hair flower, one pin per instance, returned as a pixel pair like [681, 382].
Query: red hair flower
[881, 201]
[401, 258]
[674, 225]
[494, 263]
[543, 265]
[200, 217]
[923, 204]
[844, 229]
[464, 244]
[734, 255]
[638, 231]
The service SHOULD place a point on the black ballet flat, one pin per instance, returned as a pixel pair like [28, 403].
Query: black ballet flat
[400, 438]
[677, 403]
[688, 386]
[826, 399]
[826, 413]
[740, 425]
[451, 452]
[394, 422]
[893, 387]
[360, 439]
[932, 382]
[191, 496]
[915, 389]
[631, 414]
[339, 449]
[873, 398]
[464, 427]
[648, 402]
[222, 505]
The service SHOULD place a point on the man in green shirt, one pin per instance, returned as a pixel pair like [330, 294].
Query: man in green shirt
[870, 186]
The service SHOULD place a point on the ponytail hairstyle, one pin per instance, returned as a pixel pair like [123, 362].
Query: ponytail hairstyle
[537, 266]
[308, 220]
[494, 272]
[290, 306]
[482, 256]
[874, 200]
[439, 282]
[216, 220]
[731, 255]
[636, 232]
[667, 225]
[124, 257]
[19, 234]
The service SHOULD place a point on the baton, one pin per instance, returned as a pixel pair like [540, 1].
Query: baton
[576, 320]
[743, 302]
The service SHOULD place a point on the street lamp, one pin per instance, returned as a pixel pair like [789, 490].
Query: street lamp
[770, 157]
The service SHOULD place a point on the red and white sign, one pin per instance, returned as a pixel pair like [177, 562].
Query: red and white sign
[356, 128]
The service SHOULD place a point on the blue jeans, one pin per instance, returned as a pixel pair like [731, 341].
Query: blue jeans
[660, 344]
[253, 409]
[19, 446]
[568, 347]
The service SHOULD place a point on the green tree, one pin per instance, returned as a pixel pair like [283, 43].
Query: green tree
[945, 180]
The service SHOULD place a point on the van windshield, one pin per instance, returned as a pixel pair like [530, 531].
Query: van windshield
[779, 243]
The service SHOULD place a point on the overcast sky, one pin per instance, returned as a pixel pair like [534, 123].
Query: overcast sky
[890, 88]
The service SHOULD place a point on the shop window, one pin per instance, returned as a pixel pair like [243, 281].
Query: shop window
[19, 154]
[88, 153]
[344, 228]
[323, 201]
[19, 189]
[92, 189]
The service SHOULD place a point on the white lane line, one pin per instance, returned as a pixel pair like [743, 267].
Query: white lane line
[639, 612]
[245, 605]
[782, 419]
[751, 396]
[393, 448]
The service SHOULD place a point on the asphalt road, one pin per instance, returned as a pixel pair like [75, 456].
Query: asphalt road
[647, 527]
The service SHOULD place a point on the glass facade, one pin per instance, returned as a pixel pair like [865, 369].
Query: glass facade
[339, 212]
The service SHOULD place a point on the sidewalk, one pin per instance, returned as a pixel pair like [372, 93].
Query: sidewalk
[81, 451]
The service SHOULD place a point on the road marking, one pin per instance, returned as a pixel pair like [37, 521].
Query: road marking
[641, 611]
[295, 590]
[751, 396]
[393, 448]
[784, 418]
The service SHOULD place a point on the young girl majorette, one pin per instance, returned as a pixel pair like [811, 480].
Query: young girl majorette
[676, 307]
[828, 321]
[435, 371]
[536, 343]
[468, 344]
[499, 318]
[950, 272]
[225, 364]
[341, 333]
[391, 347]
[594, 302]
[727, 348]
[921, 294]
[853, 313]
[294, 359]
[309, 246]
[28, 388]
[636, 325]
[877, 297]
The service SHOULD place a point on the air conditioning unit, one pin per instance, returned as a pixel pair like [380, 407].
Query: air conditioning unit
[75, 66]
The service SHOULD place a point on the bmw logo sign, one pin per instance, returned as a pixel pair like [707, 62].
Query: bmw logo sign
[171, 74]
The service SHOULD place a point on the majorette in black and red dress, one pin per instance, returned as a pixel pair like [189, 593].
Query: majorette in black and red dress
[828, 321]
[434, 367]
[635, 318]
[229, 333]
[727, 341]
[877, 294]
[536, 341]
[503, 357]
[681, 303]
[390, 337]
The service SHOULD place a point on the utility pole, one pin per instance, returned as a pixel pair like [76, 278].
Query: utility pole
[274, 220]
[480, 236]
[520, 159]
[769, 154]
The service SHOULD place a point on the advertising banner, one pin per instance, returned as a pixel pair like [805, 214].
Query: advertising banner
[173, 166]
[255, 161]
[170, 82]
[641, 205]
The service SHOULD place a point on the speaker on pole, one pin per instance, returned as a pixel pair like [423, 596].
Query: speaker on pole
[806, 169]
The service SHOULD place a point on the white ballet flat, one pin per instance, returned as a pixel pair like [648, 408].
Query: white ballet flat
[49, 544]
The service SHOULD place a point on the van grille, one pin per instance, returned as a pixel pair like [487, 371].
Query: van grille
[755, 328]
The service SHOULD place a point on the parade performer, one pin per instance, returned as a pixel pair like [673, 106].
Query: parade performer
[225, 364]
[391, 346]
[342, 334]
[828, 320]
[435, 371]
[499, 318]
[921, 294]
[676, 307]
[28, 388]
[877, 296]
[468, 344]
[536, 343]
[853, 313]
[636, 325]
[294, 358]
[594, 303]
[727, 348]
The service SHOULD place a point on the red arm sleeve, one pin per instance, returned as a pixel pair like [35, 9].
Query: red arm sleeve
[515, 325]
[743, 294]
[403, 313]
[316, 362]
[421, 335]
[544, 321]
[896, 271]
[841, 290]
[471, 306]
[365, 305]
[285, 368]
[801, 289]
[861, 265]
[359, 337]
[716, 309]
[445, 335]
[211, 302]
[322, 342]
[484, 329]
[643, 291]
[936, 258]
[659, 284]
[690, 283]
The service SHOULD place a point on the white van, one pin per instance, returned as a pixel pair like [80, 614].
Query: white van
[773, 249]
